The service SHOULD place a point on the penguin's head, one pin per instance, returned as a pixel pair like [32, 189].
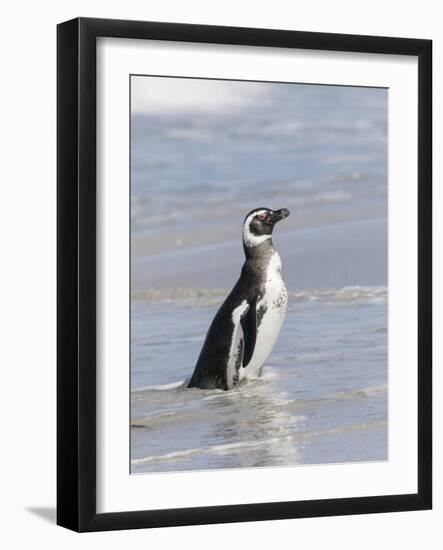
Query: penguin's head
[259, 224]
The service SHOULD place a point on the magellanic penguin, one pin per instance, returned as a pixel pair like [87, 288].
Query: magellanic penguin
[246, 326]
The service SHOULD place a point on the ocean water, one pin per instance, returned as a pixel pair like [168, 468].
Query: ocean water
[321, 152]
[317, 401]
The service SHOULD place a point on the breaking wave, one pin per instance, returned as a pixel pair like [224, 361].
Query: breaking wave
[163, 387]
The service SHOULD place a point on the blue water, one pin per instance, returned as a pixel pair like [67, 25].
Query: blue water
[321, 398]
[307, 146]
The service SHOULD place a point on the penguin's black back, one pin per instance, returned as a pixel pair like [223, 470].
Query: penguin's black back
[211, 368]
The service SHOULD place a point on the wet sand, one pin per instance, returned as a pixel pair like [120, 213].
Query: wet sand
[328, 256]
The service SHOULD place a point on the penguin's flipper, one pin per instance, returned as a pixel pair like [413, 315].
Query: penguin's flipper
[243, 343]
[249, 325]
[236, 357]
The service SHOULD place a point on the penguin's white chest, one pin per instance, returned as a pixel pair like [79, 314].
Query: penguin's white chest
[271, 311]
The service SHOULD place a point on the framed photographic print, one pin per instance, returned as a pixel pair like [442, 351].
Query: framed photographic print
[244, 274]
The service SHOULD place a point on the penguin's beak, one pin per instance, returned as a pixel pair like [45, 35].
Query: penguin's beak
[278, 215]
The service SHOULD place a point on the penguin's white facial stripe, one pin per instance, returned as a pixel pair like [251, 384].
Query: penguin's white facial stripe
[253, 240]
[250, 240]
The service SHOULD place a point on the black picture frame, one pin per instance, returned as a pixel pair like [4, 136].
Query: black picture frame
[76, 278]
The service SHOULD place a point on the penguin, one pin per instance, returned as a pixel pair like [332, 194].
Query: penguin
[245, 328]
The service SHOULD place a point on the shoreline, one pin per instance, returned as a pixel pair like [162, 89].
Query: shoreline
[328, 256]
[162, 240]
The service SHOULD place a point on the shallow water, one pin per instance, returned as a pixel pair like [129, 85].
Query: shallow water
[321, 397]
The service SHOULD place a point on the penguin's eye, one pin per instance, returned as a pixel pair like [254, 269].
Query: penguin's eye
[263, 216]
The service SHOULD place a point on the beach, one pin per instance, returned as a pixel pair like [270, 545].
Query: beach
[322, 396]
